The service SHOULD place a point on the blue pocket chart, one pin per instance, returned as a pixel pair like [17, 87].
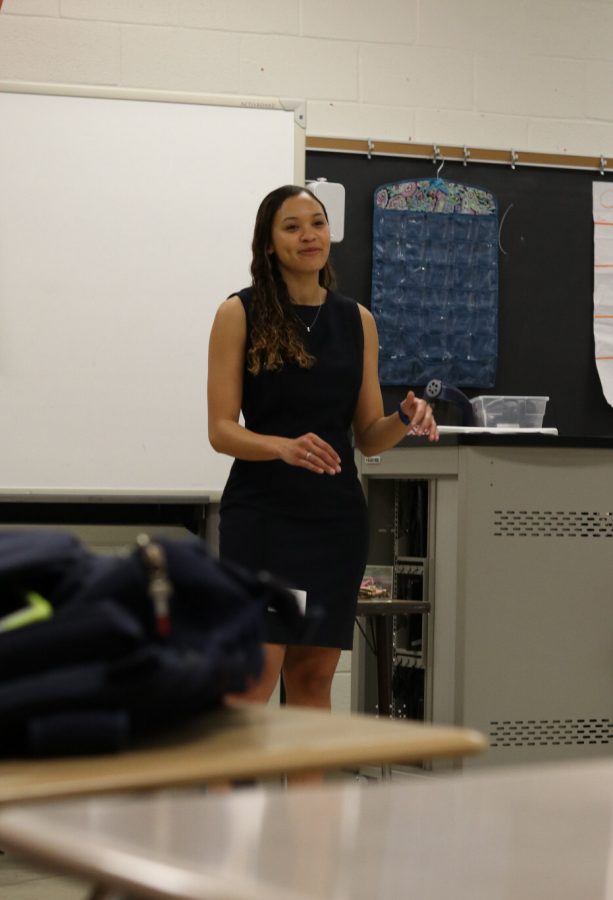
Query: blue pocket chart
[435, 282]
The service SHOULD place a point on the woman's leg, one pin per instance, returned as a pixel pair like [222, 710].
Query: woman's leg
[262, 690]
[308, 674]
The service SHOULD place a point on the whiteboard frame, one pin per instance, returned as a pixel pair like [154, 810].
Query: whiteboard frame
[233, 100]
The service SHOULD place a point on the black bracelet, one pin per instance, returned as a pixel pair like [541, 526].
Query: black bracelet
[403, 416]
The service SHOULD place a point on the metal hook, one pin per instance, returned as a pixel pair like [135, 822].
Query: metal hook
[466, 155]
[514, 158]
[371, 147]
[603, 164]
[436, 153]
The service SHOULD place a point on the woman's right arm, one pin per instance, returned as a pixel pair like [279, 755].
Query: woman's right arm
[227, 346]
[225, 387]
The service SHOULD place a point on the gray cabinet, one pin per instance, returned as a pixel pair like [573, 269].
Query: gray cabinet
[519, 573]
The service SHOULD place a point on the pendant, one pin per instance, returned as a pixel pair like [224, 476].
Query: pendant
[308, 328]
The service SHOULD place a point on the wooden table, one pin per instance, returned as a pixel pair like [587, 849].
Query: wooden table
[244, 741]
[531, 833]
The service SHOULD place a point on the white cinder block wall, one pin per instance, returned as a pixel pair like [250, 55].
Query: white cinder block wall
[531, 74]
[525, 75]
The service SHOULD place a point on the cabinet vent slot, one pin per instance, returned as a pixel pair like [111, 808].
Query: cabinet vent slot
[550, 732]
[553, 524]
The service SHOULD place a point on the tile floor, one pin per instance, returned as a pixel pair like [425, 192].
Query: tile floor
[21, 881]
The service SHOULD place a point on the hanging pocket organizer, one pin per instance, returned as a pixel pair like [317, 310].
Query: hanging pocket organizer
[435, 282]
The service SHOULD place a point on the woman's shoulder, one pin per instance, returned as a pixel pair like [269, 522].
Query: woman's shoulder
[347, 304]
[351, 306]
[245, 295]
[341, 299]
[231, 313]
[238, 303]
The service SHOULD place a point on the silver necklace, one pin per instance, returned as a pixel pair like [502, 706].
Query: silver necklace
[315, 318]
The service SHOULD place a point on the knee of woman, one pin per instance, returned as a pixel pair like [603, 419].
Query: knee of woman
[309, 671]
[309, 679]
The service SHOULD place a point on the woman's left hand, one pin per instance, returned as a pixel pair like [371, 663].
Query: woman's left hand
[422, 422]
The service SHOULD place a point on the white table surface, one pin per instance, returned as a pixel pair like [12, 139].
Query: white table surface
[502, 429]
[528, 833]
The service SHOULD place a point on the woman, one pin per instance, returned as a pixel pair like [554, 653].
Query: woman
[301, 361]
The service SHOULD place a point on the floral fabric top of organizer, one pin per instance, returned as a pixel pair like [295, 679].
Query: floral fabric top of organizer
[435, 282]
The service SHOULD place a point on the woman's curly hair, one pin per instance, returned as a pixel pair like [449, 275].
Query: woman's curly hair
[275, 334]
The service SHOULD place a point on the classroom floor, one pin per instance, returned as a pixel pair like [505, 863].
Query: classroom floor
[21, 881]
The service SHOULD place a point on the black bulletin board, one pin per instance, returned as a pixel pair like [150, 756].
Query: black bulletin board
[545, 340]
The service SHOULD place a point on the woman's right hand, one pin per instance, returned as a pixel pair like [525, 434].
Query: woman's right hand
[310, 452]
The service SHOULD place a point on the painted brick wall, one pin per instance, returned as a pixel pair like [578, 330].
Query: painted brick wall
[532, 74]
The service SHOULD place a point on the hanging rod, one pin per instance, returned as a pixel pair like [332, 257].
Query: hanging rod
[464, 154]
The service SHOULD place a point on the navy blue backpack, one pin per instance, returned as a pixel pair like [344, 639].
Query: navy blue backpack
[97, 650]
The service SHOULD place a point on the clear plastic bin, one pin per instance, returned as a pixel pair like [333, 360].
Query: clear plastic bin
[509, 412]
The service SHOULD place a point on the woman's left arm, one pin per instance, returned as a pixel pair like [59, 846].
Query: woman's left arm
[373, 431]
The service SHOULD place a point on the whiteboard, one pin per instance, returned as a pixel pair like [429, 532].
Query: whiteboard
[123, 225]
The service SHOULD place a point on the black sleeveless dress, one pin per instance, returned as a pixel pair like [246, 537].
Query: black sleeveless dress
[309, 530]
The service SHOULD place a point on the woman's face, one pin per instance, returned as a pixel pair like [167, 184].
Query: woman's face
[300, 237]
